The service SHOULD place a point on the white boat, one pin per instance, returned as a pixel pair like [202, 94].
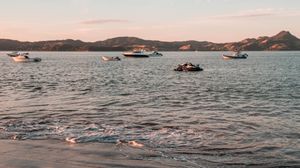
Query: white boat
[236, 55]
[136, 54]
[23, 57]
[155, 54]
[106, 58]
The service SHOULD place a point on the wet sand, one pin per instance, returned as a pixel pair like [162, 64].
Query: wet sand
[36, 153]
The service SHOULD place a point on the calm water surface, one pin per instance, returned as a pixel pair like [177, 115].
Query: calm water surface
[234, 113]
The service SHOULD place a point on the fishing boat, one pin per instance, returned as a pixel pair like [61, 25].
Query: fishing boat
[23, 57]
[155, 54]
[106, 58]
[236, 55]
[136, 54]
[188, 67]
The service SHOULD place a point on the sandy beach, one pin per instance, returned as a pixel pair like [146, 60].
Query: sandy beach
[36, 153]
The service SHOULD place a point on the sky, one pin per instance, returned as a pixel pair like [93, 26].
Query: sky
[165, 20]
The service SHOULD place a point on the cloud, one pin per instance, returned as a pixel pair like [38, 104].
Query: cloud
[103, 21]
[257, 13]
[250, 14]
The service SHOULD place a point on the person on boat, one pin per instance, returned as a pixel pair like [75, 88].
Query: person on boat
[189, 65]
[237, 52]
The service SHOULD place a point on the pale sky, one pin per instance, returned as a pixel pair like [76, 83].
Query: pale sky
[166, 20]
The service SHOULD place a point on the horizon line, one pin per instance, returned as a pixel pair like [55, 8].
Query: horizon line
[138, 38]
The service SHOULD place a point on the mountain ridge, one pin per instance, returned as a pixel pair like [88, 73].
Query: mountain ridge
[283, 41]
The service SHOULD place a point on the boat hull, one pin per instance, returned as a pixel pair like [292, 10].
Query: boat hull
[22, 59]
[235, 57]
[136, 55]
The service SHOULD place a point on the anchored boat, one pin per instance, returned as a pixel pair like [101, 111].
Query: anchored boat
[106, 58]
[236, 55]
[188, 67]
[23, 57]
[136, 54]
[155, 54]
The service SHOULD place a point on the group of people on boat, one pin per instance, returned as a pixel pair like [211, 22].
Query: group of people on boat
[188, 67]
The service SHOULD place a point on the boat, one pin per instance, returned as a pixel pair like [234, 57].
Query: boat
[155, 54]
[136, 54]
[188, 67]
[106, 58]
[236, 55]
[23, 57]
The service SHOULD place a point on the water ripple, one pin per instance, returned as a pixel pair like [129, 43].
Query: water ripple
[235, 113]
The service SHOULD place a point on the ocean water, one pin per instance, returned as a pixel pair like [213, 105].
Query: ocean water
[235, 113]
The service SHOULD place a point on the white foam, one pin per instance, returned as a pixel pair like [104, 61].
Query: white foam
[135, 144]
[71, 140]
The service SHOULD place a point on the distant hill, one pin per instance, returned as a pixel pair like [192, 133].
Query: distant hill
[282, 41]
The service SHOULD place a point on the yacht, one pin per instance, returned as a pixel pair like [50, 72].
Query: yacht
[23, 57]
[136, 54]
[236, 55]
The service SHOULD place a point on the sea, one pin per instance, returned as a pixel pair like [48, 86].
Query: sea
[235, 113]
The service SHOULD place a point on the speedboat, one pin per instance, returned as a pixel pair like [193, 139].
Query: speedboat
[155, 54]
[23, 57]
[106, 58]
[136, 54]
[188, 67]
[236, 55]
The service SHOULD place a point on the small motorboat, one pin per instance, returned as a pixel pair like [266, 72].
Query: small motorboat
[136, 54]
[155, 54]
[23, 57]
[236, 55]
[106, 58]
[188, 67]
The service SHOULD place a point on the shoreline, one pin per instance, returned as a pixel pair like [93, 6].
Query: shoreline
[54, 153]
